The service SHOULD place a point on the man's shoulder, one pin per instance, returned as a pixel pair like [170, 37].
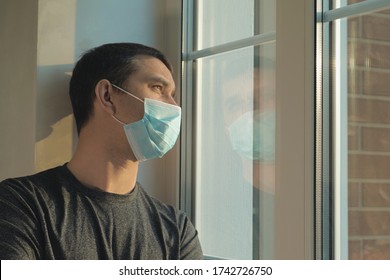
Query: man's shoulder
[156, 203]
[165, 211]
[31, 183]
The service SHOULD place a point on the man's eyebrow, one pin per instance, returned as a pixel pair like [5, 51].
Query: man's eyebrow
[159, 79]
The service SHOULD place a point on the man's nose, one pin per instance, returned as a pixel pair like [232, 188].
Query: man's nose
[171, 100]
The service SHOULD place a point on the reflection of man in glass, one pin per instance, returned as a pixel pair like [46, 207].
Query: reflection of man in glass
[249, 115]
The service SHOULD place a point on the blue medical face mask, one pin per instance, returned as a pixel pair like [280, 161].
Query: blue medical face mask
[252, 136]
[156, 133]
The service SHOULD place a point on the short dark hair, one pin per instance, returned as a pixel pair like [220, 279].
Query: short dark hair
[114, 62]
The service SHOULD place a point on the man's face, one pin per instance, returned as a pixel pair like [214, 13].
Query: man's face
[152, 80]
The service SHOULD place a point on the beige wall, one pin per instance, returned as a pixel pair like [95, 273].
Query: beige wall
[40, 41]
[54, 134]
[18, 84]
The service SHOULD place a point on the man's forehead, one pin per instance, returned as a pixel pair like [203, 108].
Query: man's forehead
[145, 61]
[154, 69]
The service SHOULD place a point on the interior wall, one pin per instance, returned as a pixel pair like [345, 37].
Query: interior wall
[39, 58]
[18, 56]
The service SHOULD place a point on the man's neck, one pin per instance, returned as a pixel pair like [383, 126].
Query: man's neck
[97, 168]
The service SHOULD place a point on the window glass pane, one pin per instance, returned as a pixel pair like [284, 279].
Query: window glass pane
[368, 61]
[222, 21]
[338, 3]
[235, 153]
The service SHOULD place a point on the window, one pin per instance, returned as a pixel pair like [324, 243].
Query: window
[358, 75]
[233, 66]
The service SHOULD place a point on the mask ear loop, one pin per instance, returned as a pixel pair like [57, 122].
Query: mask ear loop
[125, 91]
[118, 120]
[132, 95]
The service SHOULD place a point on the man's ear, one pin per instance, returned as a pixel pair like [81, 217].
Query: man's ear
[104, 94]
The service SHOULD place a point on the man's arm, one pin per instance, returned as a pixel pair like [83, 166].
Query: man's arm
[190, 248]
[19, 237]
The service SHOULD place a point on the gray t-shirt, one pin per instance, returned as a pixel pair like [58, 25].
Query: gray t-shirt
[51, 215]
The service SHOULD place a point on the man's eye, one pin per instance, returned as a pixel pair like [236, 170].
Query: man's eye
[158, 87]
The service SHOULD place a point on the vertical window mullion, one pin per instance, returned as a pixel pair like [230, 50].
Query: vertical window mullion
[323, 158]
[340, 129]
[186, 180]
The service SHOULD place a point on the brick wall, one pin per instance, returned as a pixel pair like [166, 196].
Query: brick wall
[369, 135]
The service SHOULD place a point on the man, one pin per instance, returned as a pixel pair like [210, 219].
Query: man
[92, 207]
